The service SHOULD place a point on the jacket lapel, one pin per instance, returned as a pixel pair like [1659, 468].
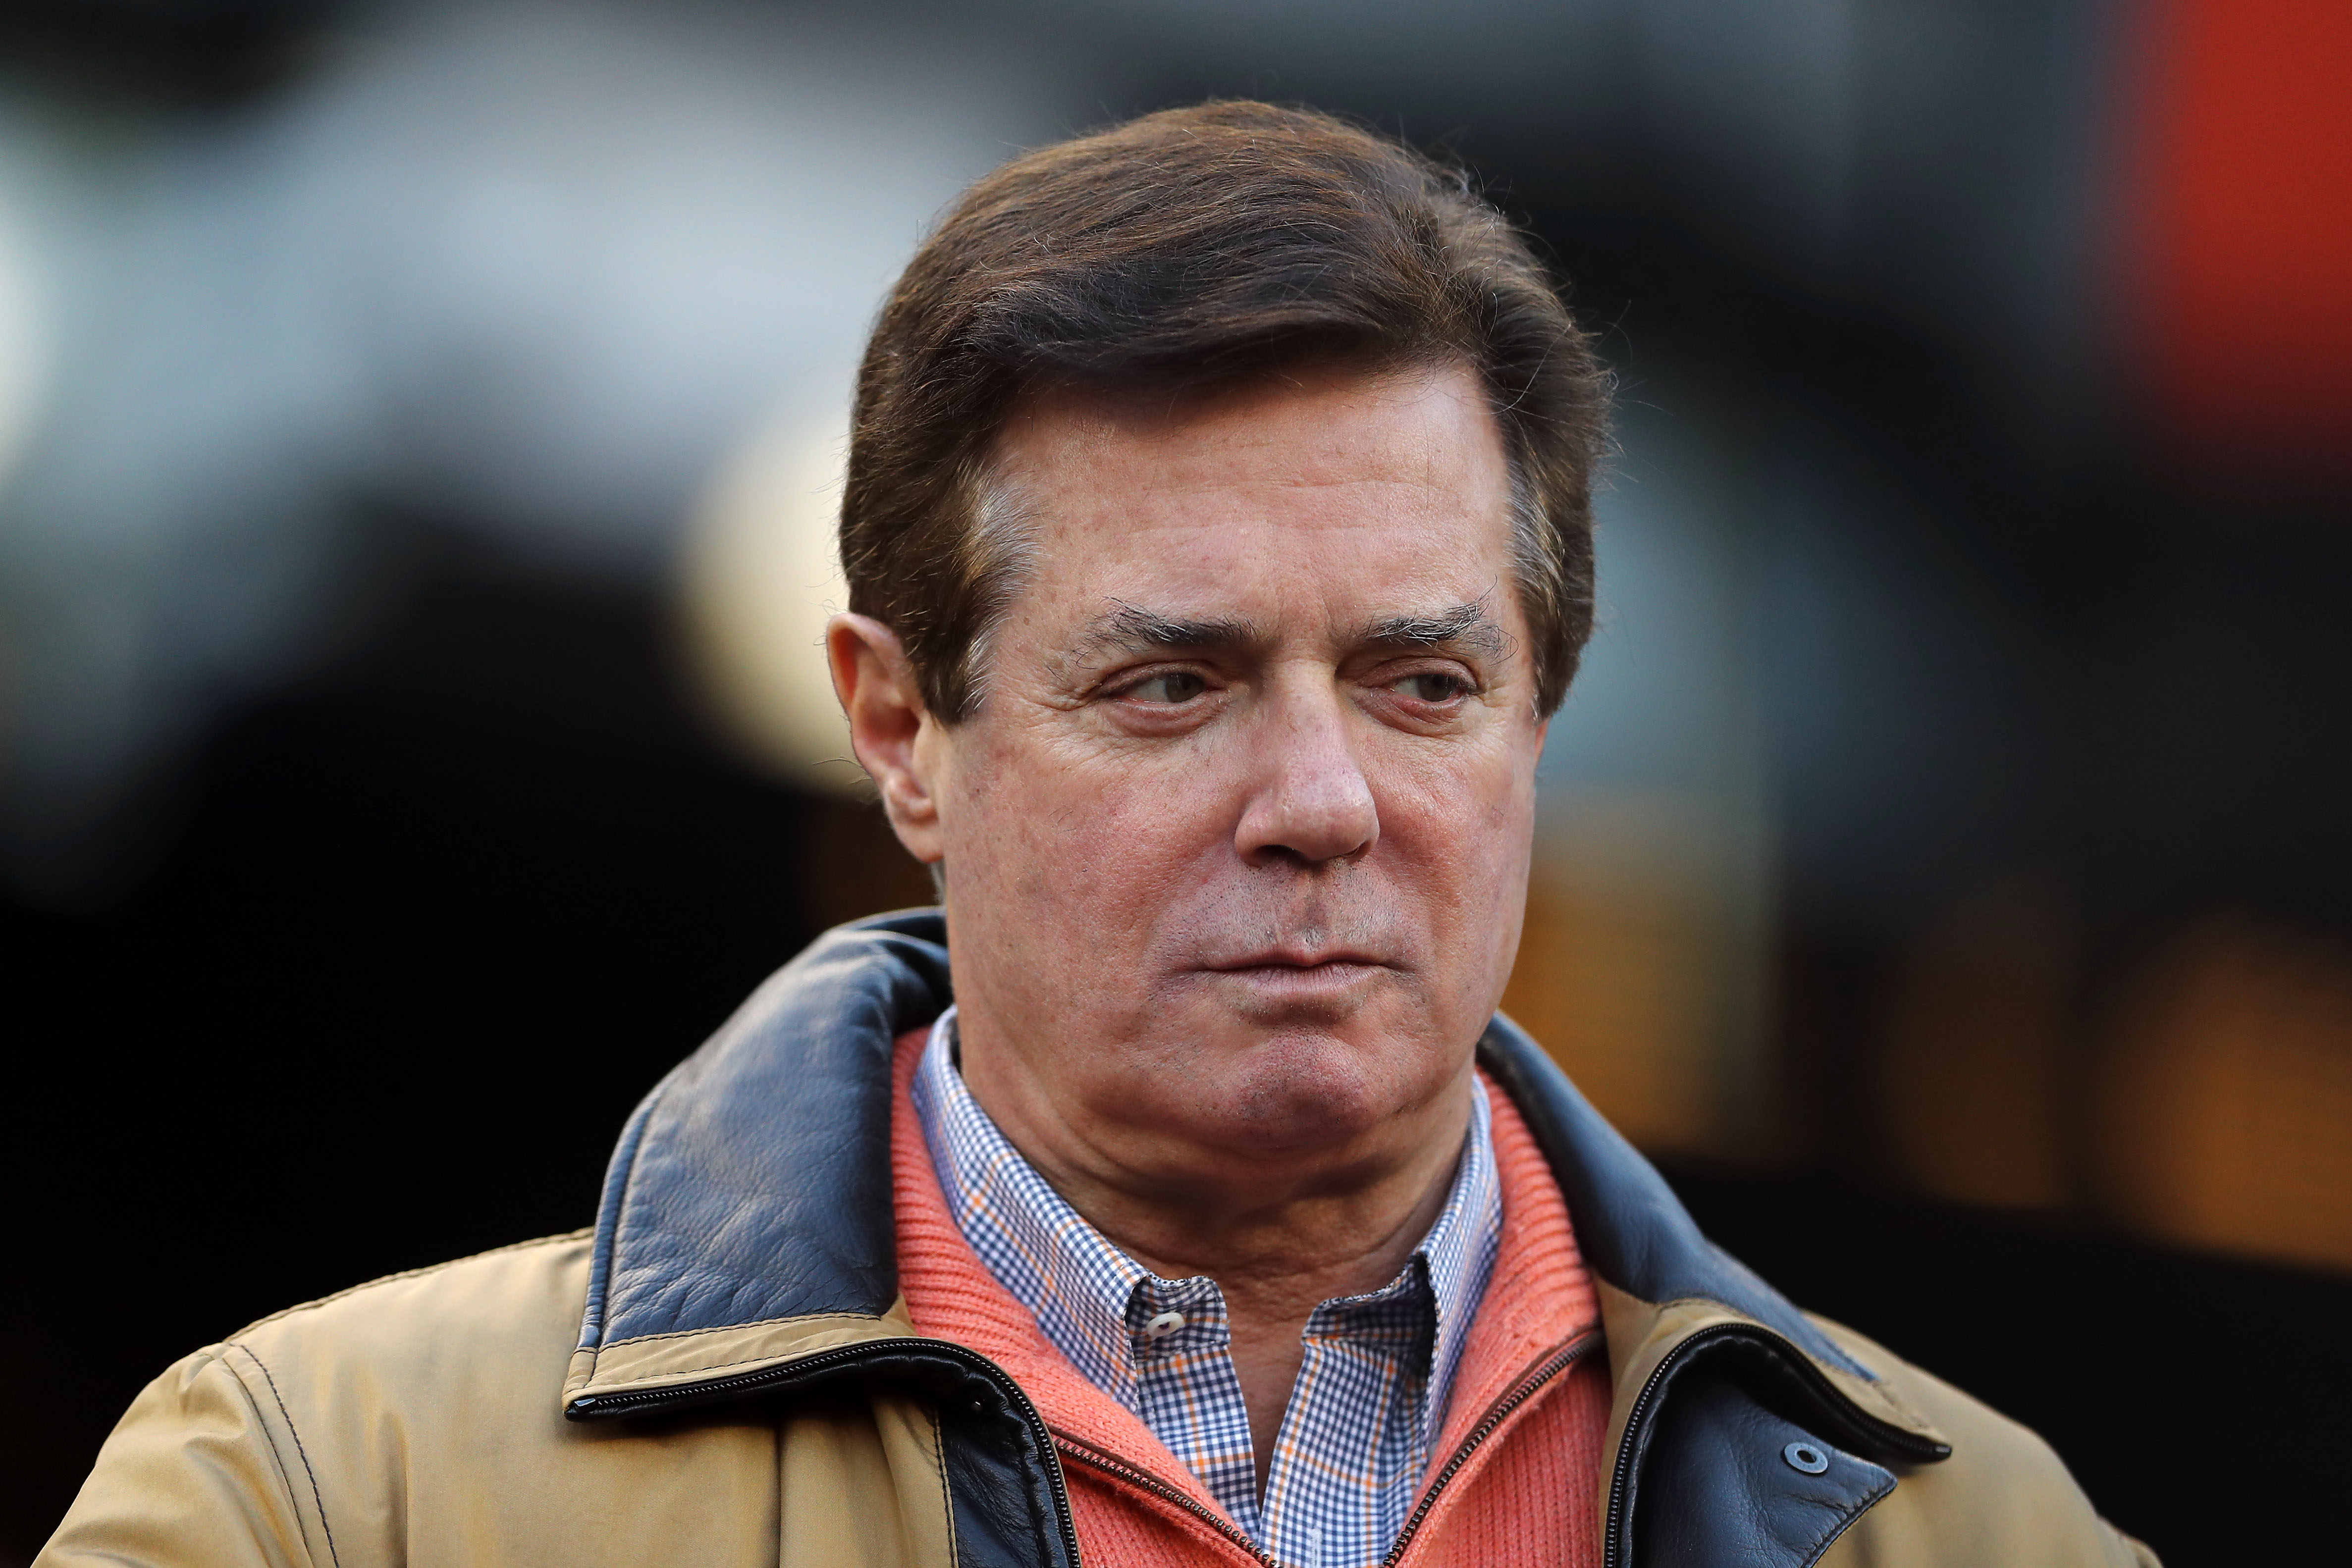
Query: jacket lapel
[746, 1218]
[1739, 1432]
[746, 1244]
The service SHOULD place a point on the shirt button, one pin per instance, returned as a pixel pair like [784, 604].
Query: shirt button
[1163, 1324]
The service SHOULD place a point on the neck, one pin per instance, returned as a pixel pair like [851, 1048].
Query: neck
[1302, 1248]
[1275, 1270]
[1279, 1237]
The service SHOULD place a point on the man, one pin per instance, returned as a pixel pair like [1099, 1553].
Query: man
[1218, 535]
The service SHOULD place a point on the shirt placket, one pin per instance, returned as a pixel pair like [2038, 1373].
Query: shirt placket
[1188, 1392]
[1355, 1429]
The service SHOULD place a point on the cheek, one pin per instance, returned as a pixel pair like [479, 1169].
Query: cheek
[1479, 803]
[1110, 849]
[1462, 831]
[1077, 837]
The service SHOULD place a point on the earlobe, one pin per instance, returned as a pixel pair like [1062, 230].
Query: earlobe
[884, 704]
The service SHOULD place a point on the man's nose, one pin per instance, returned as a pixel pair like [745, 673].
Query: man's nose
[1311, 802]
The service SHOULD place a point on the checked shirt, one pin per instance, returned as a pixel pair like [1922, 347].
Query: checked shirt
[1372, 1392]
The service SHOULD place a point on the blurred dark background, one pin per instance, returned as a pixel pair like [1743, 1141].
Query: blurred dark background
[416, 426]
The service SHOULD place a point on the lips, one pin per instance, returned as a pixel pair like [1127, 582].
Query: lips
[1303, 959]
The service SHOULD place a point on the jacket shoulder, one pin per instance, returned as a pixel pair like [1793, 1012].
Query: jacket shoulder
[280, 1443]
[2004, 1495]
[516, 1304]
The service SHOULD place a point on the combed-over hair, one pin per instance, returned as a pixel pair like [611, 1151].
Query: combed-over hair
[1186, 249]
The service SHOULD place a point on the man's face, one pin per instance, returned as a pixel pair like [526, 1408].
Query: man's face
[1237, 841]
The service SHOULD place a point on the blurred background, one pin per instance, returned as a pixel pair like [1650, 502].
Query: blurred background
[419, 429]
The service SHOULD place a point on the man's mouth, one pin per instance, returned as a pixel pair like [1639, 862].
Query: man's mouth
[1301, 956]
[1302, 968]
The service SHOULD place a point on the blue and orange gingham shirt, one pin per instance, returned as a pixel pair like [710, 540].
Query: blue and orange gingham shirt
[1372, 1392]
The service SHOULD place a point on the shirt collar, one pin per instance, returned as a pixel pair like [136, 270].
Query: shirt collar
[1095, 1304]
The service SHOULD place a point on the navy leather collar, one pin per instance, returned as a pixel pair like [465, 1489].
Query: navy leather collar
[754, 1182]
[1633, 1230]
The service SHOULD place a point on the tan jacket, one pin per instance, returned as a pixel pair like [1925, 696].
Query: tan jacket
[722, 1373]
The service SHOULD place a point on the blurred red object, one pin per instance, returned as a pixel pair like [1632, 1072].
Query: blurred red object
[2240, 231]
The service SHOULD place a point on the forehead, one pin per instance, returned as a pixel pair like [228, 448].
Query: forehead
[1327, 495]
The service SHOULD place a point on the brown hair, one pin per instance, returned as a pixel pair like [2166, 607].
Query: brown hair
[1184, 249]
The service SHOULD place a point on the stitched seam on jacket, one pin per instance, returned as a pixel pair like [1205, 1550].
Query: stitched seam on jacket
[218, 1357]
[736, 1328]
[318, 1501]
[780, 1358]
[407, 1274]
[947, 1501]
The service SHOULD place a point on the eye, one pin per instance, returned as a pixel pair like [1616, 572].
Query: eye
[1169, 686]
[1436, 686]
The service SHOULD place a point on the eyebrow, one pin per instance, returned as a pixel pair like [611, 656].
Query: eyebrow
[1127, 628]
[1131, 629]
[1466, 626]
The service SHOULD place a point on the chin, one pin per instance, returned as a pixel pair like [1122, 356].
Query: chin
[1306, 1087]
[1265, 1075]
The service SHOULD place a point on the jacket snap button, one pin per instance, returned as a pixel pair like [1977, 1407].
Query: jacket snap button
[1163, 1324]
[1804, 1457]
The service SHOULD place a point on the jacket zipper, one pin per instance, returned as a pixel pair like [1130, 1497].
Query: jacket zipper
[1558, 1362]
[1907, 1443]
[1094, 1458]
[602, 1405]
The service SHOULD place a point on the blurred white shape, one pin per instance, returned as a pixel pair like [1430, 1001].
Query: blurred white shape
[528, 271]
[25, 347]
[760, 575]
[583, 247]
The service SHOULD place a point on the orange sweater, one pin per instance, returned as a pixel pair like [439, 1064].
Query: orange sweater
[1516, 1478]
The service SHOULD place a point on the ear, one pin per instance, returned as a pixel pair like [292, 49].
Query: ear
[884, 705]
